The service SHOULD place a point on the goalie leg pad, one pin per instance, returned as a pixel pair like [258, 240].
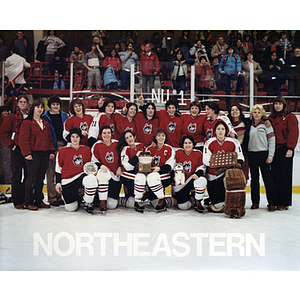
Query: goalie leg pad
[139, 185]
[155, 184]
[90, 187]
[199, 185]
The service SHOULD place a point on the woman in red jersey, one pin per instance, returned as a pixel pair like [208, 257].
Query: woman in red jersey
[70, 175]
[220, 143]
[78, 119]
[194, 180]
[286, 129]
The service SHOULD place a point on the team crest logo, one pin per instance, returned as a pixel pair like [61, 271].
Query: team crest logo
[192, 128]
[148, 128]
[112, 128]
[156, 160]
[109, 157]
[187, 166]
[209, 133]
[77, 160]
[84, 126]
[171, 127]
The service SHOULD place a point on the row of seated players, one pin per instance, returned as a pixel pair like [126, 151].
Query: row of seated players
[115, 140]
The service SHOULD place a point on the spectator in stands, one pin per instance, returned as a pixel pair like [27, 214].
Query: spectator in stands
[155, 40]
[58, 68]
[217, 52]
[232, 38]
[76, 58]
[53, 43]
[273, 47]
[195, 49]
[9, 135]
[184, 42]
[241, 50]
[230, 68]
[178, 67]
[260, 48]
[293, 75]
[117, 47]
[257, 70]
[37, 147]
[273, 75]
[247, 43]
[113, 60]
[99, 47]
[5, 151]
[92, 63]
[128, 58]
[4, 50]
[165, 51]
[65, 50]
[56, 119]
[205, 37]
[14, 65]
[149, 67]
[285, 46]
[24, 45]
[203, 76]
[254, 38]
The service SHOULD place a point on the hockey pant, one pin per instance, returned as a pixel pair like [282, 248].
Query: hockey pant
[182, 193]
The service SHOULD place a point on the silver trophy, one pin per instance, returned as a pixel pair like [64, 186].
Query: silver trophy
[90, 168]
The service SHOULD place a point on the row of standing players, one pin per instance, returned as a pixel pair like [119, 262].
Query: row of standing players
[114, 141]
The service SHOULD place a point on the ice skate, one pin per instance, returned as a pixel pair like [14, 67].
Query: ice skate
[198, 206]
[89, 208]
[161, 205]
[139, 206]
[102, 206]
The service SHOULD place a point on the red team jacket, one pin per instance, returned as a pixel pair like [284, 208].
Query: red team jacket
[149, 63]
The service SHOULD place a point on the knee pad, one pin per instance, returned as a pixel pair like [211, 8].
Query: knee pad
[200, 182]
[71, 206]
[103, 177]
[111, 203]
[185, 206]
[90, 181]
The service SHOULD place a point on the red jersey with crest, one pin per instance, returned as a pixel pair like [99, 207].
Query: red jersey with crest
[194, 127]
[145, 128]
[127, 154]
[209, 126]
[100, 120]
[122, 123]
[82, 123]
[106, 155]
[213, 146]
[70, 162]
[163, 156]
[191, 163]
[173, 126]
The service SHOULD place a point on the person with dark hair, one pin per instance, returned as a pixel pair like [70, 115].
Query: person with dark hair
[191, 191]
[9, 135]
[128, 58]
[52, 43]
[24, 45]
[179, 71]
[56, 119]
[271, 48]
[259, 142]
[261, 47]
[103, 117]
[230, 68]
[133, 182]
[247, 43]
[285, 46]
[212, 110]
[232, 38]
[184, 42]
[198, 46]
[220, 143]
[91, 62]
[14, 65]
[147, 121]
[58, 68]
[113, 66]
[274, 75]
[105, 155]
[193, 124]
[286, 129]
[37, 147]
[162, 165]
[78, 119]
[149, 67]
[76, 58]
[70, 175]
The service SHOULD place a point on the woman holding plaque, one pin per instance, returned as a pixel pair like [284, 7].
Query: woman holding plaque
[189, 175]
[70, 175]
[134, 184]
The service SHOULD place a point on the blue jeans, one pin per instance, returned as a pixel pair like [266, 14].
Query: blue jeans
[56, 82]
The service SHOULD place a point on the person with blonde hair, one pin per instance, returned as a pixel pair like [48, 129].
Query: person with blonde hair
[259, 143]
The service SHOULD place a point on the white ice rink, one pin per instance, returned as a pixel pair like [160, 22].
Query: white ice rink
[124, 240]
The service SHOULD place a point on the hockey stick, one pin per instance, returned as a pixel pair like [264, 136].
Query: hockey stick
[120, 96]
